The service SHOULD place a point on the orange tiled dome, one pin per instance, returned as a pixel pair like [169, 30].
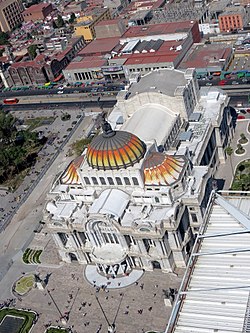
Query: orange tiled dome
[113, 150]
[70, 176]
[162, 169]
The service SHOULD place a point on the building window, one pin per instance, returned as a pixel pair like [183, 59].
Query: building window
[135, 181]
[194, 217]
[94, 180]
[118, 180]
[102, 180]
[87, 181]
[157, 200]
[110, 180]
[127, 181]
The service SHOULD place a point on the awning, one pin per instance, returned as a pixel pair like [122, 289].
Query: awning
[58, 78]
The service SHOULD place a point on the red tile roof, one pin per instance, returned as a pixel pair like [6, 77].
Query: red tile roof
[108, 22]
[158, 29]
[36, 8]
[100, 46]
[88, 62]
[203, 56]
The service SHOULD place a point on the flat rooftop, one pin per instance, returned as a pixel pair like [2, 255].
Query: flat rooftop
[164, 80]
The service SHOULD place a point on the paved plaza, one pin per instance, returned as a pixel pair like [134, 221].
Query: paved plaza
[225, 170]
[142, 303]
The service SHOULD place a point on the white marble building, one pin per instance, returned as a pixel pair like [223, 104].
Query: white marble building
[136, 196]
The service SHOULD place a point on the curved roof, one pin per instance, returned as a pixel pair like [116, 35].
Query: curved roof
[110, 201]
[162, 169]
[114, 150]
[151, 122]
[71, 176]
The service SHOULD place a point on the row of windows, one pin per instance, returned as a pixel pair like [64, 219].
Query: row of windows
[110, 181]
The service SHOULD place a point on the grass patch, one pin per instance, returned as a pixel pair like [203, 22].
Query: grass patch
[241, 180]
[79, 145]
[39, 121]
[26, 315]
[24, 284]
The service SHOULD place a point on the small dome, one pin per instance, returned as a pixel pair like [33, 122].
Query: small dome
[70, 176]
[113, 150]
[162, 169]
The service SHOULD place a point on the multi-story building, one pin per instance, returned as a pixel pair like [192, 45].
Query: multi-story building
[10, 14]
[85, 25]
[233, 18]
[137, 194]
[37, 12]
[45, 67]
[140, 49]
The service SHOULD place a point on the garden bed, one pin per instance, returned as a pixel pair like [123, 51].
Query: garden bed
[16, 321]
[241, 180]
[32, 256]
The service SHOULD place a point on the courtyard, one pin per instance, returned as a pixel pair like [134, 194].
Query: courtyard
[138, 308]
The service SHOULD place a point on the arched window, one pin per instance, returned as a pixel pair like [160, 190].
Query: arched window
[127, 181]
[157, 200]
[110, 180]
[135, 181]
[87, 181]
[118, 180]
[94, 180]
[102, 180]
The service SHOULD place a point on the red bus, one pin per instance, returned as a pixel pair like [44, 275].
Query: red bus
[11, 101]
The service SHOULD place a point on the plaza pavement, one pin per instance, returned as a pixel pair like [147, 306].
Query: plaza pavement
[73, 294]
[225, 170]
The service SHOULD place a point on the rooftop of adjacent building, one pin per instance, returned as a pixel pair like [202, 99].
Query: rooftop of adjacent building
[36, 8]
[205, 55]
[159, 29]
[237, 10]
[214, 281]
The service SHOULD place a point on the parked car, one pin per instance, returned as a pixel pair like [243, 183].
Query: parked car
[209, 84]
[240, 117]
[60, 92]
[235, 82]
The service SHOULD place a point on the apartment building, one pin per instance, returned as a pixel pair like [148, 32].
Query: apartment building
[233, 18]
[10, 14]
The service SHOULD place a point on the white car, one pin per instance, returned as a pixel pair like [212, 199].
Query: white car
[60, 92]
[60, 88]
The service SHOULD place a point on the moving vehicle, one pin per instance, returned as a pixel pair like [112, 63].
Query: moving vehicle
[222, 82]
[10, 101]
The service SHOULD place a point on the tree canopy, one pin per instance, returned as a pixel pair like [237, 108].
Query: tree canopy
[59, 22]
[32, 51]
[4, 38]
[18, 149]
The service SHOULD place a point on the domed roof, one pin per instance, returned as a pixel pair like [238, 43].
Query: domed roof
[70, 175]
[162, 169]
[113, 150]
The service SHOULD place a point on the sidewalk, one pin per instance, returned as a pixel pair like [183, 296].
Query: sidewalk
[225, 170]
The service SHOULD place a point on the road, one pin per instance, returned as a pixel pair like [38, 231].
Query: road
[17, 236]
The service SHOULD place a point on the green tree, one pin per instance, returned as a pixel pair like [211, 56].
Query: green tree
[4, 38]
[7, 128]
[32, 51]
[59, 21]
[72, 18]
